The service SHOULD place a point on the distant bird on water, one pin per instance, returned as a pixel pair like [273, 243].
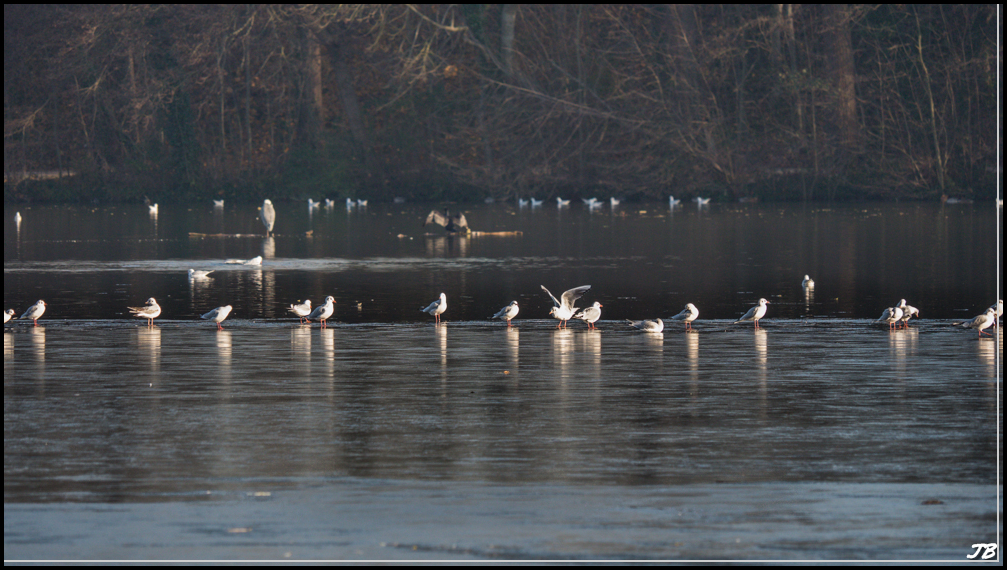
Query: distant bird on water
[507, 313]
[34, 312]
[808, 283]
[648, 325]
[590, 315]
[755, 313]
[700, 202]
[218, 203]
[564, 310]
[217, 316]
[268, 216]
[150, 311]
[689, 314]
[195, 275]
[437, 308]
[456, 224]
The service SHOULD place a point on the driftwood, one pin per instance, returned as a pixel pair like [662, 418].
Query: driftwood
[476, 234]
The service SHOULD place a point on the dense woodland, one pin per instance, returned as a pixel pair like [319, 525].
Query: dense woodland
[464, 102]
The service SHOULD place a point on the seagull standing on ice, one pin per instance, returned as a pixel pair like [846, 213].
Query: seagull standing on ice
[323, 312]
[507, 313]
[34, 312]
[150, 311]
[564, 310]
[302, 310]
[217, 316]
[998, 308]
[651, 326]
[892, 315]
[8, 315]
[437, 308]
[908, 312]
[982, 322]
[590, 315]
[689, 314]
[755, 313]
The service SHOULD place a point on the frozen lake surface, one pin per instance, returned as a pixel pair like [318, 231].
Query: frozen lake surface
[821, 436]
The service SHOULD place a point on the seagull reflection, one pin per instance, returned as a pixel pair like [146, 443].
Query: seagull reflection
[986, 352]
[300, 347]
[809, 299]
[513, 348]
[692, 353]
[902, 347]
[562, 351]
[148, 343]
[329, 351]
[442, 341]
[224, 352]
[590, 343]
[269, 248]
[761, 358]
[8, 346]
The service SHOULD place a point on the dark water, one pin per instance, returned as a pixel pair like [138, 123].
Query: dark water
[384, 437]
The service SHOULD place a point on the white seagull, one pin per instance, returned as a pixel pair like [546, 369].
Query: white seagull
[561, 203]
[302, 310]
[998, 308]
[536, 203]
[892, 315]
[218, 315]
[590, 315]
[8, 315]
[257, 260]
[507, 313]
[194, 274]
[651, 326]
[673, 203]
[17, 218]
[153, 209]
[908, 312]
[150, 311]
[982, 322]
[268, 216]
[564, 310]
[218, 203]
[323, 312]
[437, 308]
[689, 314]
[312, 204]
[34, 312]
[613, 202]
[808, 283]
[755, 313]
[700, 202]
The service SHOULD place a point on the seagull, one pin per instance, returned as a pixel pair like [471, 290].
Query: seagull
[998, 308]
[34, 312]
[218, 203]
[689, 314]
[564, 310]
[350, 203]
[507, 313]
[8, 315]
[301, 310]
[980, 323]
[322, 312]
[908, 312]
[456, 224]
[590, 315]
[892, 315]
[437, 308]
[614, 201]
[329, 203]
[150, 311]
[755, 313]
[808, 283]
[217, 315]
[561, 203]
[700, 202]
[17, 218]
[312, 204]
[536, 203]
[268, 216]
[257, 260]
[153, 209]
[651, 326]
[590, 202]
[362, 203]
[195, 275]
[673, 203]
[522, 203]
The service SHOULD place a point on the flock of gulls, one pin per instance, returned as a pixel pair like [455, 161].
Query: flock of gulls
[563, 309]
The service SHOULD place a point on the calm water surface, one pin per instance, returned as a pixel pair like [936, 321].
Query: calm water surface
[384, 437]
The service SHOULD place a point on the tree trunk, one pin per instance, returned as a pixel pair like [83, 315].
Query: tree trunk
[351, 105]
[841, 72]
[507, 21]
